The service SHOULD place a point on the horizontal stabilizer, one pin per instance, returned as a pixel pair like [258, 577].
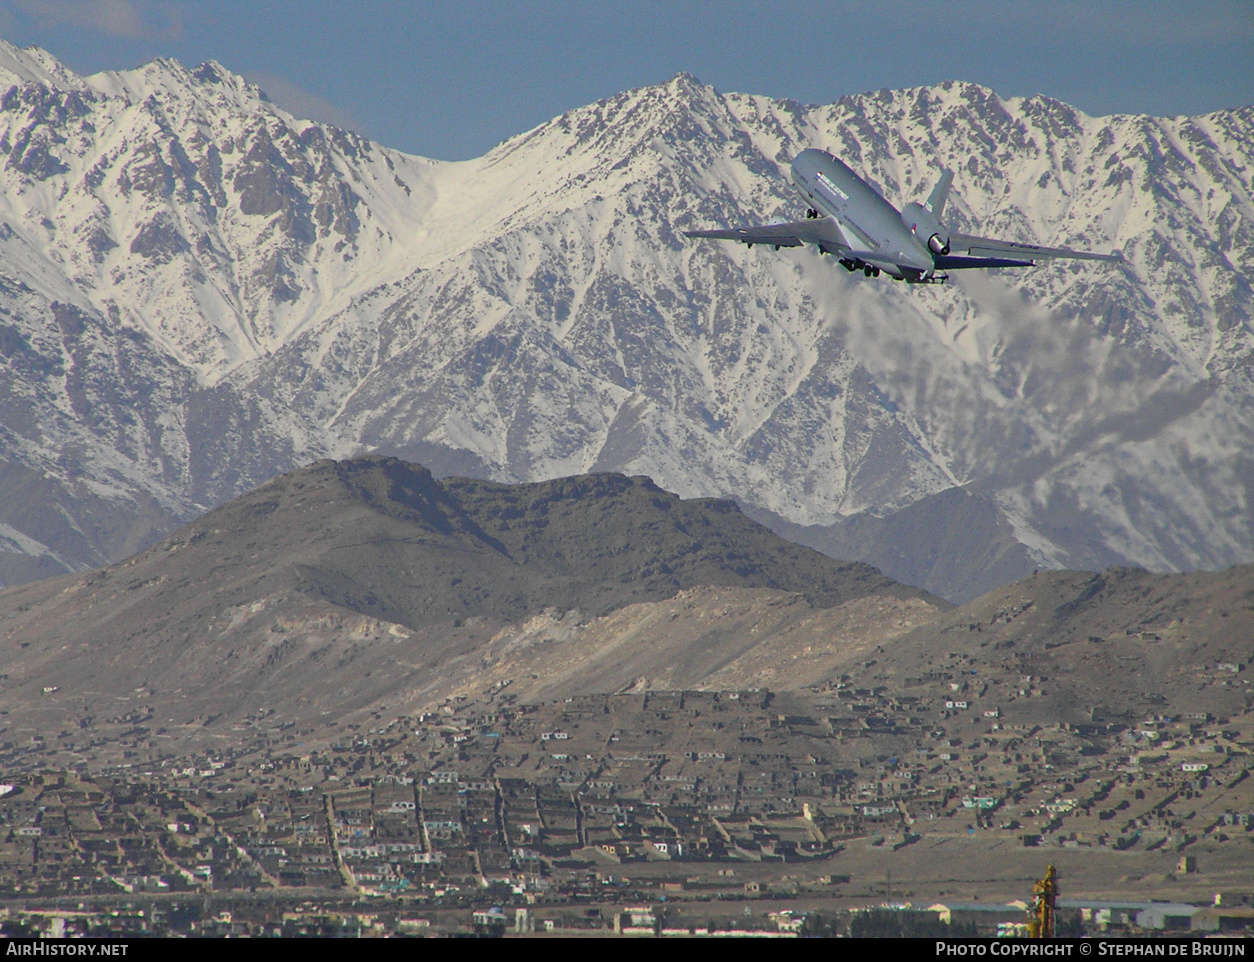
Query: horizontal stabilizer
[991, 247]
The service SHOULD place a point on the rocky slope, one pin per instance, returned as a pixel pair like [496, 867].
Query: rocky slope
[198, 291]
[1113, 647]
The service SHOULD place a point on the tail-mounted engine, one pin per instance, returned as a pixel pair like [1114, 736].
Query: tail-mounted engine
[924, 225]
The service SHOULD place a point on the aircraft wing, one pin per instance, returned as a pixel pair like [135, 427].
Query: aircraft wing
[819, 230]
[950, 262]
[990, 247]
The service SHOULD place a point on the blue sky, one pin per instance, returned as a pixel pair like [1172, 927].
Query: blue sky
[452, 79]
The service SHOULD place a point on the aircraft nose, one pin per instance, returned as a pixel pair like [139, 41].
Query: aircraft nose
[803, 166]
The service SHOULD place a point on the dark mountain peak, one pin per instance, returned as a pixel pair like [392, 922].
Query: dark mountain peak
[329, 499]
[392, 487]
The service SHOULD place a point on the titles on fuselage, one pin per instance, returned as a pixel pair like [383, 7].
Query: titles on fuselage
[827, 182]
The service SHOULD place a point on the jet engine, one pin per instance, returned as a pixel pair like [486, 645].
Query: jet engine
[926, 227]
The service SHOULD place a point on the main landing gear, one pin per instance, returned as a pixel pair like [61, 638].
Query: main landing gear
[868, 269]
[812, 214]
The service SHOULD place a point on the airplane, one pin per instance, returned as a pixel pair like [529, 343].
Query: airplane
[847, 217]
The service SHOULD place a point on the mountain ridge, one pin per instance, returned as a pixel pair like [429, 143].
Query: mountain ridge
[221, 292]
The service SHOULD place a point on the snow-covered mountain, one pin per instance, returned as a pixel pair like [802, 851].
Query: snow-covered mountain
[198, 291]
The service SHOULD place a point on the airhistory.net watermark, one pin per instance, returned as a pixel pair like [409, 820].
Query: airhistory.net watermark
[43, 947]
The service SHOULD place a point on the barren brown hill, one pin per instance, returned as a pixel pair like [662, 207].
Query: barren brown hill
[342, 585]
[1081, 647]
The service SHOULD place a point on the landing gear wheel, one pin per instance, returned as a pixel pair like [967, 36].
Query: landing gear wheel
[868, 270]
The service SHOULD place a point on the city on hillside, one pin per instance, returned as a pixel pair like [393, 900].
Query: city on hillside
[683, 812]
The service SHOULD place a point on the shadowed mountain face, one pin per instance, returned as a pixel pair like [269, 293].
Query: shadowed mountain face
[954, 544]
[603, 541]
[331, 587]
[382, 537]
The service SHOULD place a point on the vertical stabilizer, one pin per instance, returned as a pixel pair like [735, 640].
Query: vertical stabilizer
[936, 200]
